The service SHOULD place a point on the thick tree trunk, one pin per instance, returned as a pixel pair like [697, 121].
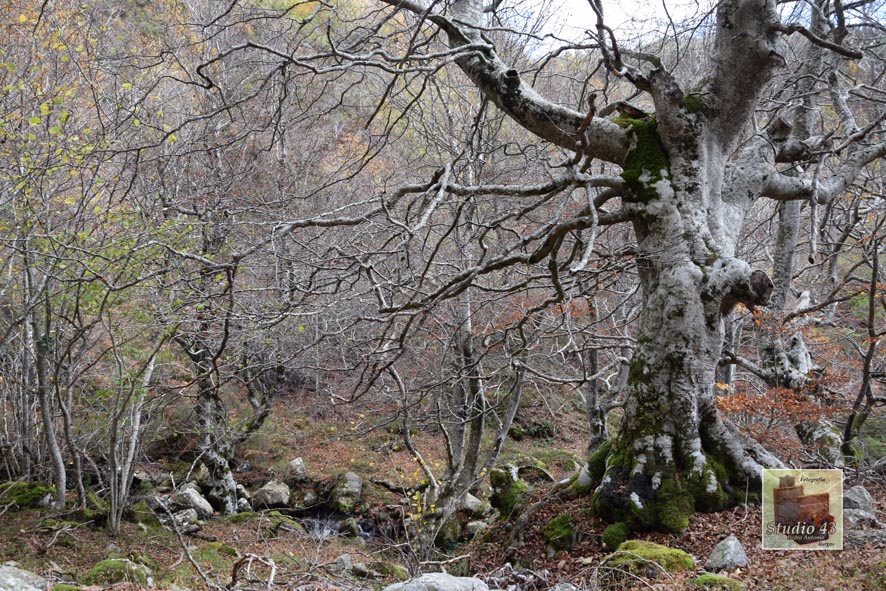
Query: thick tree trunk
[673, 455]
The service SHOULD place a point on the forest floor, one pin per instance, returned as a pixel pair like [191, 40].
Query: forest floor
[333, 443]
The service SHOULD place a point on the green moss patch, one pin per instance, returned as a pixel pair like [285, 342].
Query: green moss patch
[635, 555]
[559, 533]
[141, 513]
[508, 491]
[647, 162]
[115, 570]
[615, 534]
[25, 494]
[597, 462]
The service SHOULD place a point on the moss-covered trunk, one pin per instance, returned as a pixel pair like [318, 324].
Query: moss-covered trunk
[673, 454]
[661, 468]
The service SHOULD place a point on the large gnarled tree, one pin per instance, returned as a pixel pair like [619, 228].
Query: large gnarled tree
[690, 172]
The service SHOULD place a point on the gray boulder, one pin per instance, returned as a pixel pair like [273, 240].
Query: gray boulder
[297, 473]
[201, 475]
[342, 564]
[190, 498]
[473, 507]
[274, 493]
[440, 582]
[475, 528]
[727, 555]
[858, 519]
[346, 493]
[859, 498]
[184, 520]
[16, 579]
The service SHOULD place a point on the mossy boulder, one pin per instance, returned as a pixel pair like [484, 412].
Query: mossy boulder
[141, 512]
[25, 494]
[508, 490]
[717, 582]
[448, 534]
[615, 534]
[65, 587]
[118, 570]
[637, 556]
[278, 522]
[558, 533]
[390, 570]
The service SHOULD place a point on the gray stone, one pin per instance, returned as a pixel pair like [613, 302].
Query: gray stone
[727, 555]
[364, 571]
[858, 519]
[274, 493]
[190, 498]
[243, 506]
[475, 528]
[440, 582]
[342, 564]
[186, 519]
[16, 579]
[310, 499]
[473, 507]
[201, 475]
[346, 493]
[296, 473]
[858, 497]
[563, 587]
[242, 493]
[862, 538]
[350, 528]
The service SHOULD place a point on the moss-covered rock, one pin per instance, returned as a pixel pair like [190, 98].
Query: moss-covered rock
[118, 570]
[25, 494]
[65, 587]
[718, 582]
[390, 570]
[615, 534]
[141, 513]
[279, 522]
[636, 555]
[448, 534]
[558, 533]
[508, 490]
